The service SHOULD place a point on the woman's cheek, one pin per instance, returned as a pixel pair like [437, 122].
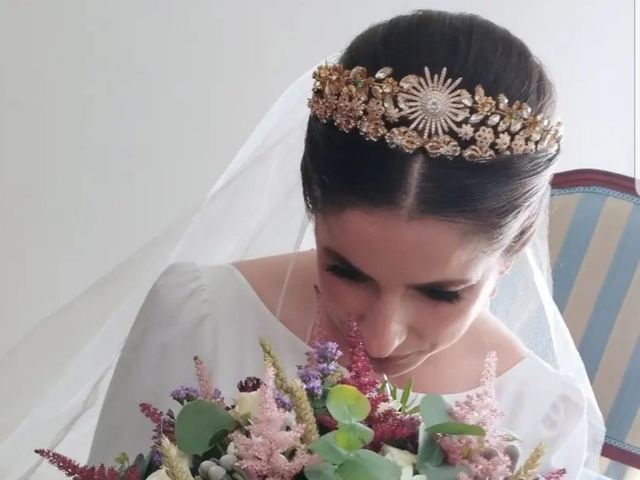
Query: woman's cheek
[440, 322]
[342, 298]
[444, 323]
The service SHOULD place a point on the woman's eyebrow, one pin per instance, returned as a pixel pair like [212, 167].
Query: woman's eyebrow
[341, 259]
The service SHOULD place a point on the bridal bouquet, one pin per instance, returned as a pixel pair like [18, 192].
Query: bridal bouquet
[328, 423]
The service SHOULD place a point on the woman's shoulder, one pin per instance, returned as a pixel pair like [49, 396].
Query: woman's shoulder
[184, 279]
[258, 282]
[548, 380]
[296, 272]
[266, 276]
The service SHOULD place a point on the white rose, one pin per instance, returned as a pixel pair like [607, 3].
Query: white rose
[407, 474]
[159, 475]
[400, 457]
[247, 403]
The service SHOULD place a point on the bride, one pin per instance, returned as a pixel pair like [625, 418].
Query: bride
[399, 194]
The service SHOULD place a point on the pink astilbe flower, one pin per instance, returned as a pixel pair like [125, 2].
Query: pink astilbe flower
[481, 407]
[204, 380]
[152, 413]
[266, 452]
[73, 469]
[484, 456]
[361, 372]
[132, 473]
[394, 427]
[388, 425]
[163, 424]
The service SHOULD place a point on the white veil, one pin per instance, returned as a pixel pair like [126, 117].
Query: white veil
[256, 209]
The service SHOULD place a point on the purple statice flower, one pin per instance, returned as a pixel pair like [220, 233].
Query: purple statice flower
[324, 357]
[156, 457]
[283, 401]
[217, 395]
[311, 378]
[321, 362]
[184, 394]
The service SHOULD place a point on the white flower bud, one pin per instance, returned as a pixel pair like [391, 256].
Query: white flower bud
[398, 456]
[247, 403]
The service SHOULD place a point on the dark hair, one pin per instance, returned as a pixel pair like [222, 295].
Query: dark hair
[501, 199]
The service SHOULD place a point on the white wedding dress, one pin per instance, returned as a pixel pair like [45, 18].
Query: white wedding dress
[212, 311]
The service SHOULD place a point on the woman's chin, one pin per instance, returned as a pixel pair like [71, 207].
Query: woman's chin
[392, 367]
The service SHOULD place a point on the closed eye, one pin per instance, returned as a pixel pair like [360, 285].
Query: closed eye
[447, 296]
[354, 275]
[346, 273]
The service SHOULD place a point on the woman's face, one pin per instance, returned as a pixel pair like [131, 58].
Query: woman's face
[415, 286]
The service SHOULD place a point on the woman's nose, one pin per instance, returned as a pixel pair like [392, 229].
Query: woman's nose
[384, 327]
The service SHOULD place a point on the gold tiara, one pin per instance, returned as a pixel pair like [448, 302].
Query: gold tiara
[445, 121]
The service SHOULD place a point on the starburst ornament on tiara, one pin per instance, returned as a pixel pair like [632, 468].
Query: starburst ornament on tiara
[443, 119]
[432, 103]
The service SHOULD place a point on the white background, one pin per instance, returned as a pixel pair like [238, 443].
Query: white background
[116, 117]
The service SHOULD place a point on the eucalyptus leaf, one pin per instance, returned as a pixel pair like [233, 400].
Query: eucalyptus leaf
[218, 437]
[434, 410]
[453, 428]
[327, 448]
[368, 465]
[347, 404]
[321, 471]
[429, 453]
[199, 423]
[442, 472]
[352, 436]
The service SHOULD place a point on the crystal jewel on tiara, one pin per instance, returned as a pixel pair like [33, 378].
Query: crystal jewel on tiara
[437, 116]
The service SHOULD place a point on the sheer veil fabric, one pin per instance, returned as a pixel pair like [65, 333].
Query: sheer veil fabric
[256, 209]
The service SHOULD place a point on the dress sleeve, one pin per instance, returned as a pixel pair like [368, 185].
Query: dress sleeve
[552, 411]
[156, 358]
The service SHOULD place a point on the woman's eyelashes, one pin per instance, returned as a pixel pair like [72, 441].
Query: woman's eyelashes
[349, 273]
[448, 296]
[346, 272]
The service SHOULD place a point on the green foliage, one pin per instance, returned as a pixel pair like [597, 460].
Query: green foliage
[341, 450]
[352, 436]
[369, 465]
[200, 425]
[433, 410]
[327, 448]
[453, 428]
[347, 404]
[321, 471]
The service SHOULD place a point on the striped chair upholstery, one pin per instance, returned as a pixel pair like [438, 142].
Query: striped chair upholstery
[595, 253]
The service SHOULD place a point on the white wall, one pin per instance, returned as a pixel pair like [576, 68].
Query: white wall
[116, 117]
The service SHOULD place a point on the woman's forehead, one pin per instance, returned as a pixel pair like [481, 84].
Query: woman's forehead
[388, 244]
